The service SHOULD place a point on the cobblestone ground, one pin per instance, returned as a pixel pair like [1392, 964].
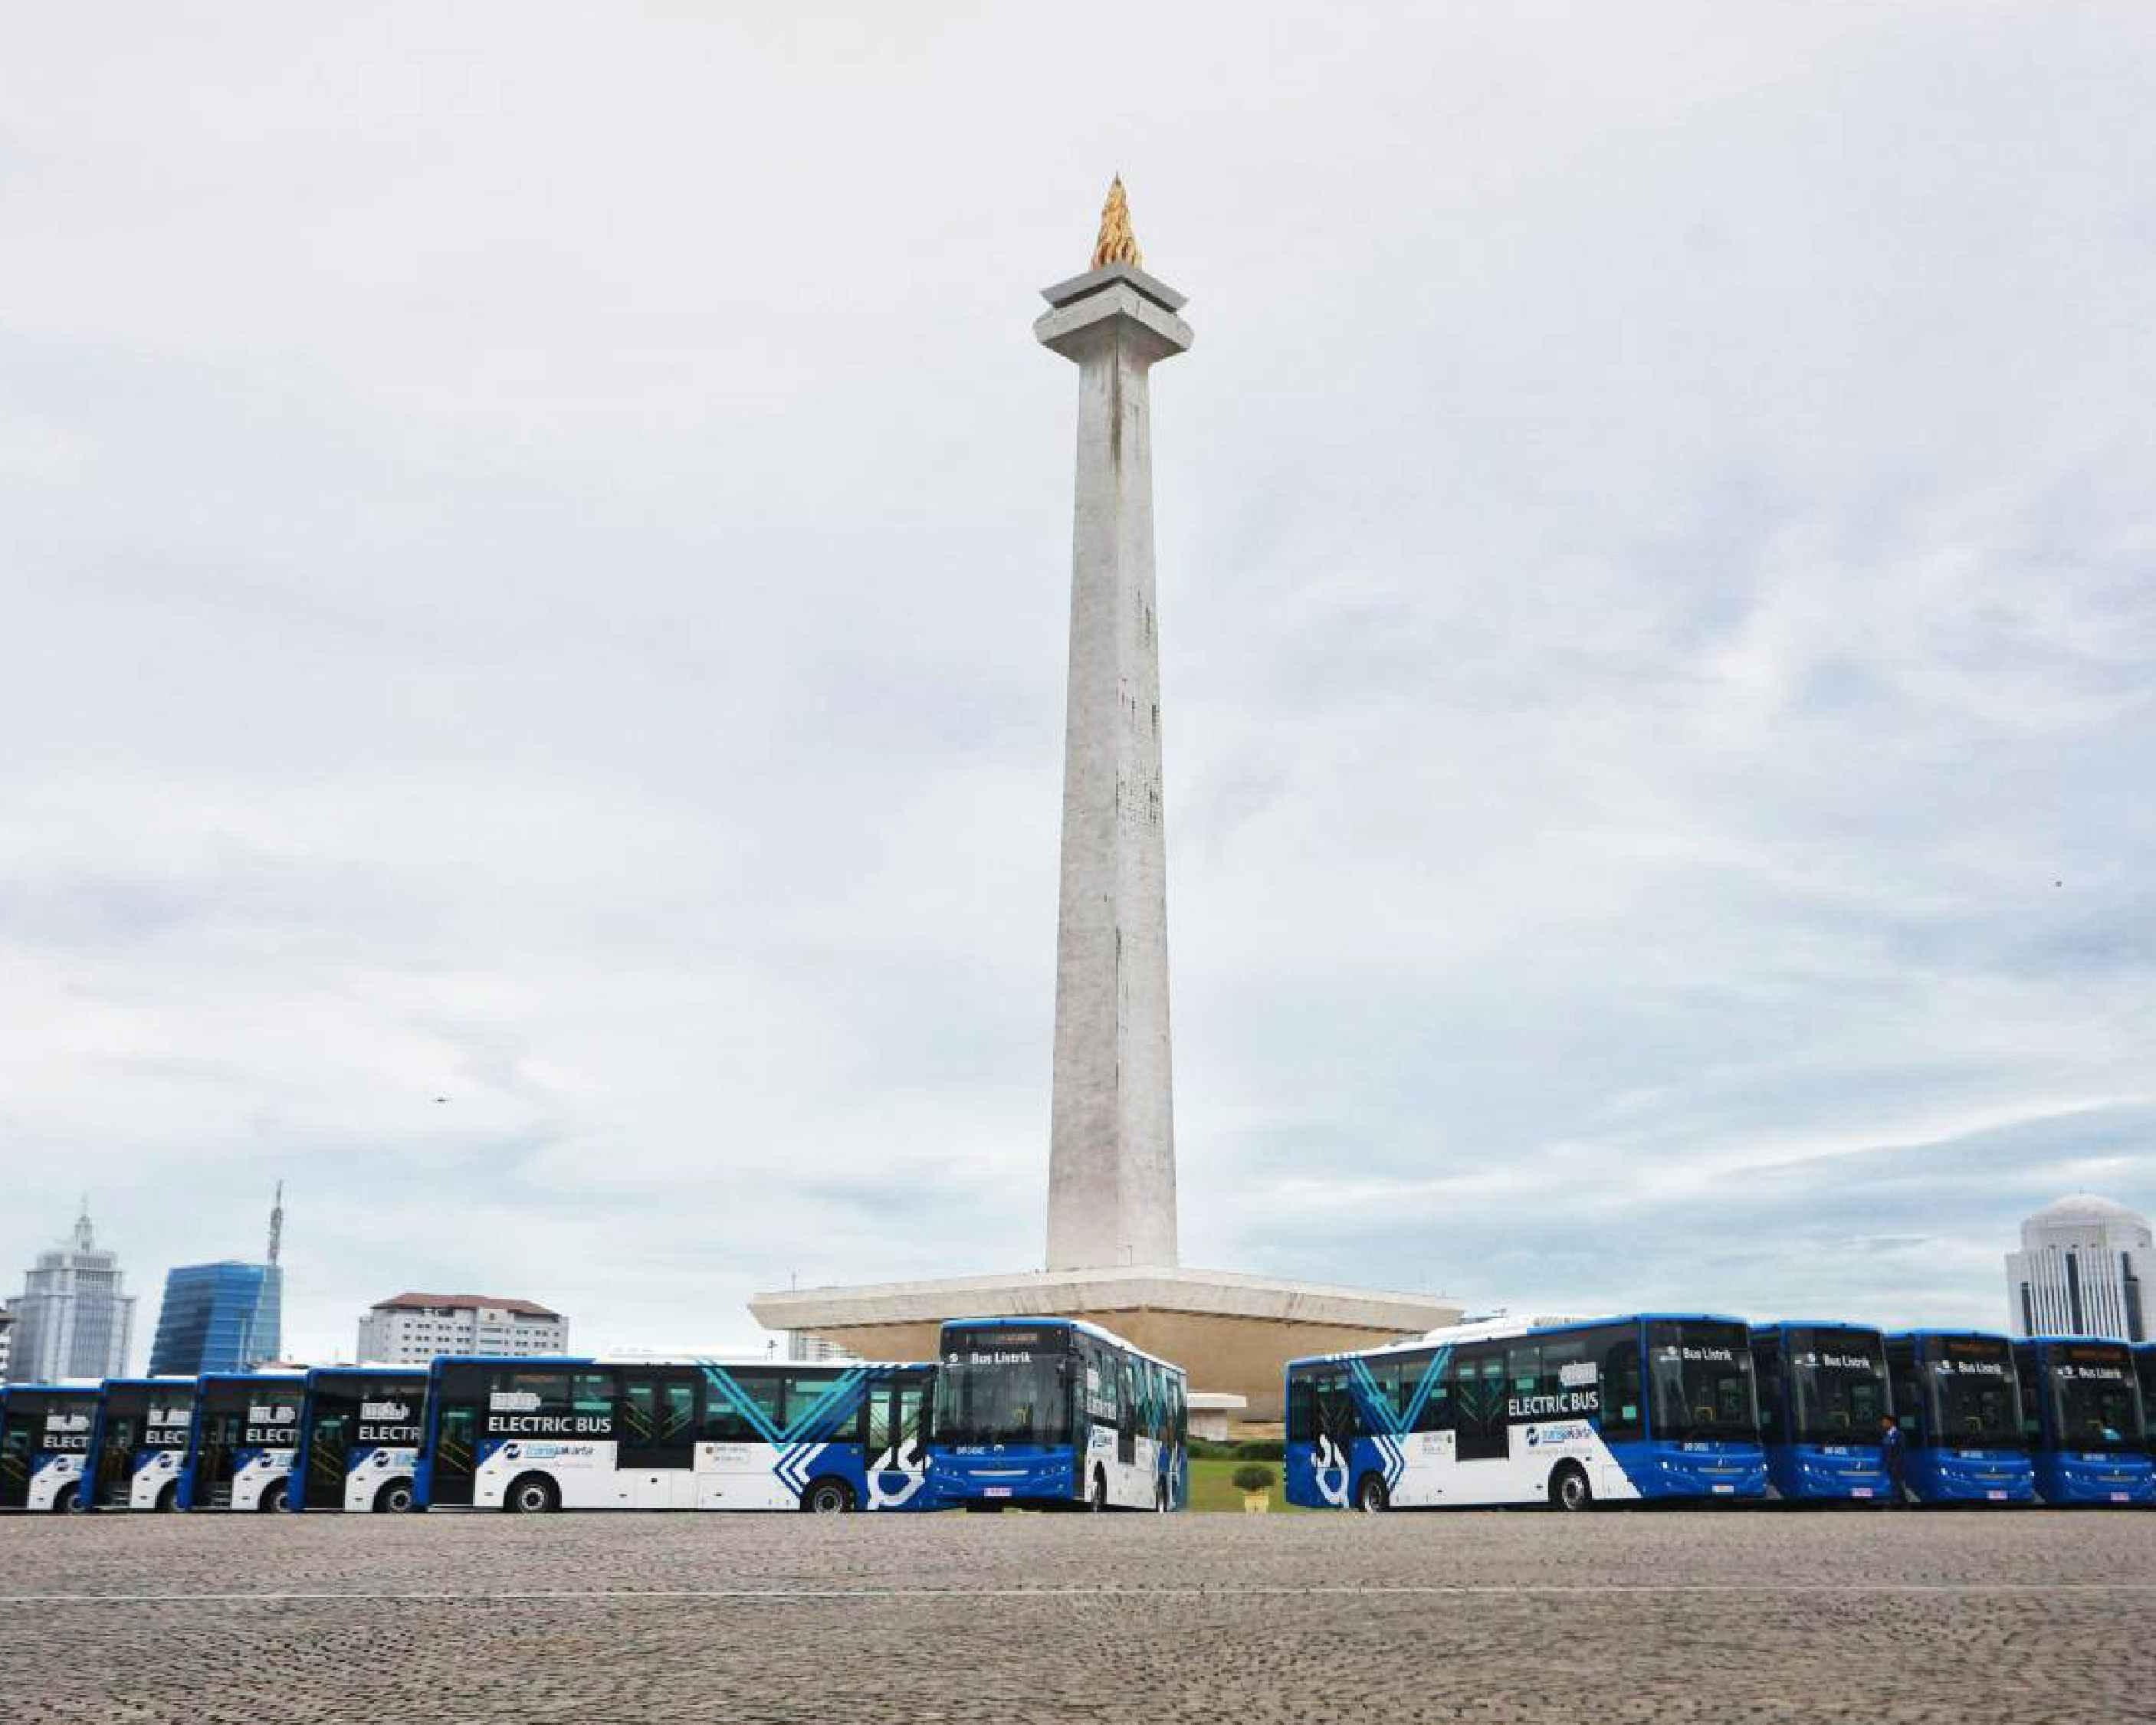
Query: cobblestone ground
[593, 1619]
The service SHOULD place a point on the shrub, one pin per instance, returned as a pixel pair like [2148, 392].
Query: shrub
[1212, 1450]
[1252, 1477]
[1262, 1449]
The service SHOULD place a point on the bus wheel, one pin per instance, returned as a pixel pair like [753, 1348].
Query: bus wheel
[1096, 1494]
[168, 1500]
[1370, 1495]
[1568, 1489]
[827, 1497]
[394, 1499]
[66, 1499]
[532, 1494]
[273, 1499]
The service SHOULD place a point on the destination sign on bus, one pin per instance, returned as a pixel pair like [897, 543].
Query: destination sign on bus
[67, 1431]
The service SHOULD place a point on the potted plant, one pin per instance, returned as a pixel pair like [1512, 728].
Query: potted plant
[1256, 1483]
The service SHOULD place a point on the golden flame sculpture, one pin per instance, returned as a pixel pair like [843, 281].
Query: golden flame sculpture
[1116, 244]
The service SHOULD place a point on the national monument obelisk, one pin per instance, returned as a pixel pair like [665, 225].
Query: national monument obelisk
[1112, 1144]
[1112, 1253]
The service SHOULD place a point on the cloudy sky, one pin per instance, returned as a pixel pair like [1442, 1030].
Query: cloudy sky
[535, 544]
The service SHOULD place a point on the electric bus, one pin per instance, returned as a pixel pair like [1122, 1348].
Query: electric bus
[1957, 1400]
[138, 1443]
[2081, 1415]
[45, 1437]
[359, 1439]
[1055, 1413]
[247, 1433]
[2144, 1365]
[1823, 1401]
[530, 1434]
[1519, 1410]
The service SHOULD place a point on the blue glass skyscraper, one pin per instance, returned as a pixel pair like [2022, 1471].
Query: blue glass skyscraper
[218, 1317]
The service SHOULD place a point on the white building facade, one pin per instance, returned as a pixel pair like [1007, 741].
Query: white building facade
[74, 1317]
[2083, 1269]
[410, 1329]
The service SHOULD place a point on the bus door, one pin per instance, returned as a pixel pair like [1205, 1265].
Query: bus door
[1126, 1413]
[217, 1438]
[655, 1443]
[456, 1454]
[328, 1457]
[107, 1487]
[1478, 1391]
[894, 1455]
[18, 1442]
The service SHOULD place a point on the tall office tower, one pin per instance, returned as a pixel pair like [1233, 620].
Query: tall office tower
[225, 1317]
[74, 1317]
[2081, 1270]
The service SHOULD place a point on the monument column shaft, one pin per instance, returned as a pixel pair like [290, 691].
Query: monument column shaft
[1112, 1163]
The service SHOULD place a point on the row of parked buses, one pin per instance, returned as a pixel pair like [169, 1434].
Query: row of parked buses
[1669, 1406]
[1038, 1413]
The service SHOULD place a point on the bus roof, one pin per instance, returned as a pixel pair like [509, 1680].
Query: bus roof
[1956, 1335]
[165, 1381]
[58, 1386]
[1077, 1326]
[1510, 1329]
[314, 1372]
[2077, 1341]
[563, 1361]
[1817, 1323]
[253, 1377]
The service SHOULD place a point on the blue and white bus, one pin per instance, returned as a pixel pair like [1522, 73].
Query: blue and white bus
[1657, 1405]
[2144, 1366]
[1957, 1400]
[138, 1444]
[1824, 1403]
[530, 1434]
[359, 1439]
[1053, 1413]
[2081, 1417]
[246, 1437]
[44, 1438]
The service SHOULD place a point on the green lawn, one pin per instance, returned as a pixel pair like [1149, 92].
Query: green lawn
[1210, 1490]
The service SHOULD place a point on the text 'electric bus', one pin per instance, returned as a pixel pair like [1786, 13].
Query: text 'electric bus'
[1523, 1411]
[533, 1435]
[246, 1436]
[2082, 1419]
[1958, 1401]
[1054, 1412]
[359, 1439]
[1823, 1403]
[138, 1444]
[44, 1438]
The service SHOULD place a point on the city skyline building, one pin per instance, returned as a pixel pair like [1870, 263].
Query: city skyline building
[74, 1317]
[223, 1316]
[2083, 1269]
[7, 1334]
[412, 1328]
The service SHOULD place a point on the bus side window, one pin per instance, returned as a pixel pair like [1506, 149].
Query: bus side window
[1622, 1419]
[1336, 1407]
[1436, 1413]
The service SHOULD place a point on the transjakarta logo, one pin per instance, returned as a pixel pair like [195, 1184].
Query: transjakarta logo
[512, 1401]
[273, 1416]
[1573, 1434]
[1573, 1373]
[55, 1423]
[397, 1410]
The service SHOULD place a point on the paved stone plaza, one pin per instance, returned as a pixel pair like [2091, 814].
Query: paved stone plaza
[635, 1618]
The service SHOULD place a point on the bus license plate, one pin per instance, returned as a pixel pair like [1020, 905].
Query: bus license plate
[1996, 1497]
[1729, 1491]
[1861, 1491]
[995, 1491]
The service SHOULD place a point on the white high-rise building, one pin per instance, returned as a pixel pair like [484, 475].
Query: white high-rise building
[2083, 1269]
[73, 1318]
[410, 1329]
[7, 1334]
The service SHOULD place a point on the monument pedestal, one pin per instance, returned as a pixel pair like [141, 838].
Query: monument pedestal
[1232, 1333]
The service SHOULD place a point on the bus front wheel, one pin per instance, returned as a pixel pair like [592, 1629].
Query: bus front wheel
[1370, 1496]
[64, 1500]
[273, 1499]
[1569, 1490]
[168, 1500]
[394, 1499]
[532, 1494]
[827, 1497]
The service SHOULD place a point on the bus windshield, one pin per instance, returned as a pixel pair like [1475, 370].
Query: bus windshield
[1838, 1385]
[1973, 1394]
[2093, 1400]
[1702, 1382]
[1000, 1394]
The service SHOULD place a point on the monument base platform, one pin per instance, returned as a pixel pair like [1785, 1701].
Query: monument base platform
[1232, 1333]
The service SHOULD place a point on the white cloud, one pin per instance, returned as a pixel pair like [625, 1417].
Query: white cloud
[534, 559]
